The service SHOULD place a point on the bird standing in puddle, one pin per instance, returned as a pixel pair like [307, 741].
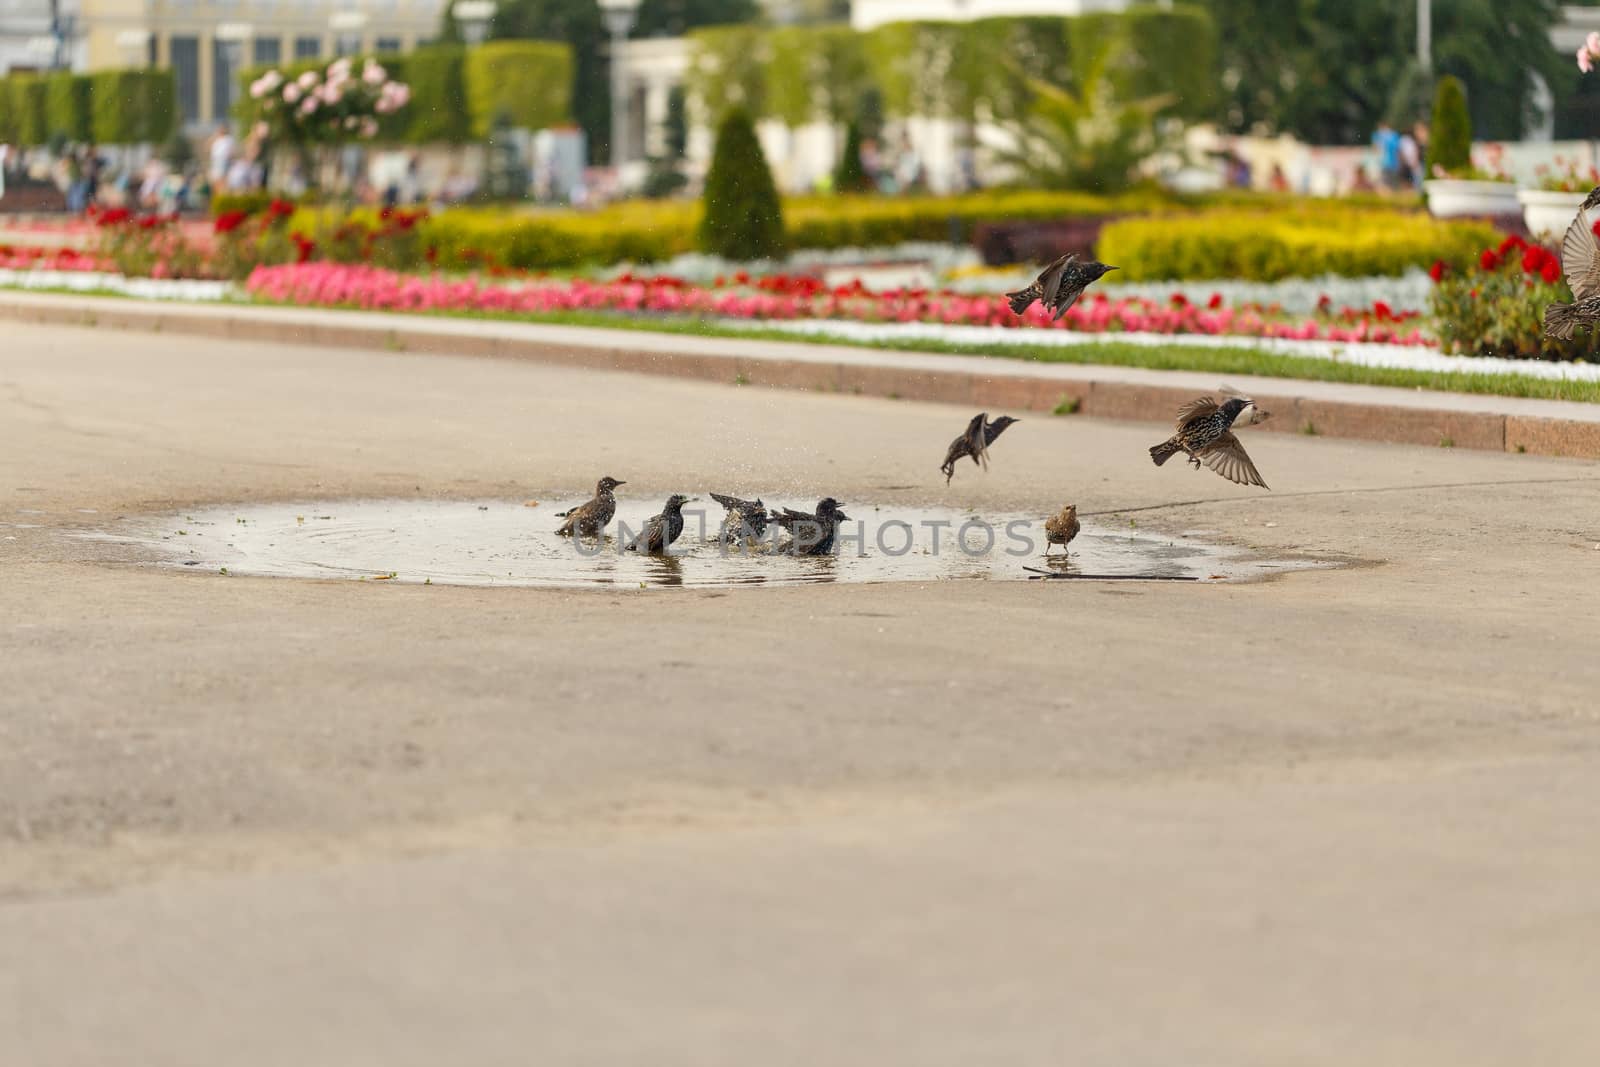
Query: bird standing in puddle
[745, 518]
[811, 534]
[660, 530]
[590, 518]
[1061, 528]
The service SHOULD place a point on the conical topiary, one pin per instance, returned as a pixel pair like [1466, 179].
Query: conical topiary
[850, 176]
[1450, 139]
[743, 216]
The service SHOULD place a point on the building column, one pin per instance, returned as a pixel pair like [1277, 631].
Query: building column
[207, 74]
[656, 95]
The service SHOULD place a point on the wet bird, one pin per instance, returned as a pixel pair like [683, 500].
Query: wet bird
[1205, 435]
[1061, 528]
[1580, 262]
[588, 519]
[974, 441]
[811, 534]
[660, 530]
[745, 518]
[1059, 286]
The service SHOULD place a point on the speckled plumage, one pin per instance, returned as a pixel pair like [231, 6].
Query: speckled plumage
[1059, 285]
[589, 519]
[745, 518]
[811, 534]
[660, 531]
[1205, 434]
[1061, 528]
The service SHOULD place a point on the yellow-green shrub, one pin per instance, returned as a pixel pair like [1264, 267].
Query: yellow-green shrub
[1303, 241]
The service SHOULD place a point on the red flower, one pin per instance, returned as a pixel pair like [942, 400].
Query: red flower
[114, 216]
[1512, 242]
[1324, 302]
[229, 221]
[1179, 300]
[1215, 302]
[1551, 271]
[303, 247]
[279, 209]
[1436, 272]
[1489, 261]
[1383, 311]
[1595, 229]
[150, 222]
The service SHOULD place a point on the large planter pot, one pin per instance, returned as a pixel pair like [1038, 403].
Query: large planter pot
[1547, 215]
[1450, 198]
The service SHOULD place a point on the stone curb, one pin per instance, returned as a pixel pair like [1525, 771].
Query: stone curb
[1548, 428]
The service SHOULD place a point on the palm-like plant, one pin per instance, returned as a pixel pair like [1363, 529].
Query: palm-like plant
[1083, 137]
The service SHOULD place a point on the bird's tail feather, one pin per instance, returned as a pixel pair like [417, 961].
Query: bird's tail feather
[1022, 298]
[1165, 451]
[1560, 321]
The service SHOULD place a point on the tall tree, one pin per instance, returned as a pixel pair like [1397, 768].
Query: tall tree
[674, 18]
[1328, 70]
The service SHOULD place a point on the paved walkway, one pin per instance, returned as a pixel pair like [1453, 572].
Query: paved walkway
[1330, 409]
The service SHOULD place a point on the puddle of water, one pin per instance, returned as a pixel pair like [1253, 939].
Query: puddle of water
[502, 543]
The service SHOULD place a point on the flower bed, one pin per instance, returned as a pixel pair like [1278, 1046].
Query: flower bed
[791, 297]
[32, 257]
[1495, 306]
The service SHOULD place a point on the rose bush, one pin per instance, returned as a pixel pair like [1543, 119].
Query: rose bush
[1495, 306]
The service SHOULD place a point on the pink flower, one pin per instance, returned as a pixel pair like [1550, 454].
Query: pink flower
[307, 80]
[373, 74]
[369, 127]
[1585, 62]
[308, 106]
[291, 93]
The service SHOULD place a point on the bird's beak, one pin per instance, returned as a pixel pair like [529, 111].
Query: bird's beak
[622, 483]
[1113, 268]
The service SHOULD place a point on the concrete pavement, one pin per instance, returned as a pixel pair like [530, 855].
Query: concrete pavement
[1342, 816]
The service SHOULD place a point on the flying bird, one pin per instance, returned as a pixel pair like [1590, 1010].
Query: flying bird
[811, 534]
[1205, 434]
[660, 530]
[590, 518]
[745, 518]
[1580, 262]
[974, 442]
[1061, 528]
[1059, 286]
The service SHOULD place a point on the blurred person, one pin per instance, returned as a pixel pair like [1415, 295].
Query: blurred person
[221, 154]
[1419, 134]
[1387, 143]
[1278, 181]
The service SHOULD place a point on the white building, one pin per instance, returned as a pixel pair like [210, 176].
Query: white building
[867, 14]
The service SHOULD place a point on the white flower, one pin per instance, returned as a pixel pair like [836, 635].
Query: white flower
[373, 74]
[291, 93]
[308, 80]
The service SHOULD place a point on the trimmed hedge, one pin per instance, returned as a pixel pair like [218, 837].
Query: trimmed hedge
[743, 217]
[67, 110]
[1450, 146]
[132, 106]
[438, 108]
[529, 81]
[796, 73]
[1301, 242]
[28, 95]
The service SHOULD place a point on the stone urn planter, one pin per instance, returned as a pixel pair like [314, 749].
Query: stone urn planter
[1546, 214]
[1450, 198]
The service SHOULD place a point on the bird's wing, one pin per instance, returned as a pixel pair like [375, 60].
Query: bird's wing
[1061, 308]
[1580, 258]
[733, 503]
[1050, 278]
[1195, 409]
[1227, 457]
[649, 538]
[977, 443]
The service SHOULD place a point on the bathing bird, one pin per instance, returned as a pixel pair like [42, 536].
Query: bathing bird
[589, 519]
[660, 530]
[811, 534]
[1580, 262]
[1059, 285]
[745, 518]
[974, 441]
[1061, 528]
[1205, 435]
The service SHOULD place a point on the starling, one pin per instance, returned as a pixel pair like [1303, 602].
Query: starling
[660, 530]
[1204, 435]
[589, 519]
[1061, 528]
[974, 441]
[1580, 262]
[1059, 287]
[811, 534]
[745, 518]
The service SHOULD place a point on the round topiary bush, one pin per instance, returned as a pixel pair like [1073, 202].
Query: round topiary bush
[743, 215]
[1450, 140]
[850, 176]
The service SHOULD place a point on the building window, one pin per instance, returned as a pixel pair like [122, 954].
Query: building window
[266, 50]
[224, 76]
[347, 44]
[387, 44]
[185, 52]
[308, 47]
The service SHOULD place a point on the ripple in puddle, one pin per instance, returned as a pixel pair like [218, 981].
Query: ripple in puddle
[499, 543]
